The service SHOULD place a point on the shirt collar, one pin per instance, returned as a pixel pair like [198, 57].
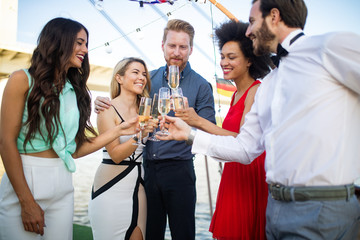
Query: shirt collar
[286, 43]
[67, 87]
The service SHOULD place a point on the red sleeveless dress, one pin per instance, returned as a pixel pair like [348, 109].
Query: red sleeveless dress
[242, 195]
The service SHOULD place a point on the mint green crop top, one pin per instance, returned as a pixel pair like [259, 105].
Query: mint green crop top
[64, 144]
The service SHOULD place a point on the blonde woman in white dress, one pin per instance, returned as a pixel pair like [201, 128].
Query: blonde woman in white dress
[117, 208]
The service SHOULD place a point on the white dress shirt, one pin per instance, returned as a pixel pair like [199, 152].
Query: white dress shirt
[306, 115]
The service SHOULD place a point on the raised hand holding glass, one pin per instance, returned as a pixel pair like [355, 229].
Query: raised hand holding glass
[144, 115]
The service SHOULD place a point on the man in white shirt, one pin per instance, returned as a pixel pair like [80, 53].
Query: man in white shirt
[306, 115]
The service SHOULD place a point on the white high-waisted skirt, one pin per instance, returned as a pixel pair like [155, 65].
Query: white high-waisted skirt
[51, 185]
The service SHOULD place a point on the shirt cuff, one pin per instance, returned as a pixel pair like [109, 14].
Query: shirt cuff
[201, 142]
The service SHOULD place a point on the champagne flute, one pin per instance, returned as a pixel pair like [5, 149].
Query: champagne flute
[174, 77]
[154, 114]
[164, 105]
[178, 99]
[144, 115]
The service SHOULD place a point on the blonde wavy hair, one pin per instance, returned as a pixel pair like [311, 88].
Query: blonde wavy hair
[120, 69]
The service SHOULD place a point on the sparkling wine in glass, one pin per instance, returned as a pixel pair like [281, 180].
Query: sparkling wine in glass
[164, 106]
[144, 116]
[178, 99]
[174, 77]
[154, 114]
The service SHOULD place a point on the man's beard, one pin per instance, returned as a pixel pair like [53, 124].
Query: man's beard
[264, 37]
[182, 65]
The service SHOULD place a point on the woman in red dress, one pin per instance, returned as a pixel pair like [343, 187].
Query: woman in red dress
[242, 195]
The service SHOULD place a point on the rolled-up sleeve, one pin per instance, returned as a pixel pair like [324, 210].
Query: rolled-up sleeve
[204, 105]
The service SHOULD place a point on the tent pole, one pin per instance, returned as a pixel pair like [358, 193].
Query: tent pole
[232, 17]
[208, 181]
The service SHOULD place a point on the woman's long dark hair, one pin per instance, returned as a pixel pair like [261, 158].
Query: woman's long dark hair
[48, 69]
[235, 31]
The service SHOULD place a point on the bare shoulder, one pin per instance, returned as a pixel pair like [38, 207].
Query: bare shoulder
[106, 113]
[251, 95]
[19, 81]
[20, 75]
[252, 90]
[107, 116]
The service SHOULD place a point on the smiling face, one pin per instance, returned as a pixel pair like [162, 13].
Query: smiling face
[177, 49]
[259, 32]
[134, 79]
[80, 50]
[233, 62]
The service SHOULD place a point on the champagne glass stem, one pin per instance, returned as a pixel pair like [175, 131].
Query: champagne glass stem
[153, 138]
[163, 131]
[140, 136]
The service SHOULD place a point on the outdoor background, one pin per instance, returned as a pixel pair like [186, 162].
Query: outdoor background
[123, 29]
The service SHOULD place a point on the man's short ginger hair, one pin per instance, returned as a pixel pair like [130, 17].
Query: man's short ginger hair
[179, 25]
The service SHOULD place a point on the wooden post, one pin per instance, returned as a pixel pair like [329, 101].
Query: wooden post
[224, 10]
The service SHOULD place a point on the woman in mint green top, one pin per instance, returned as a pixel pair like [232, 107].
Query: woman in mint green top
[44, 116]
[64, 144]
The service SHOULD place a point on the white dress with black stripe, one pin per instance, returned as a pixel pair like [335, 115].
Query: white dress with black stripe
[118, 201]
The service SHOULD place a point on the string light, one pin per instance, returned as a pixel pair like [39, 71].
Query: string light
[108, 48]
[140, 34]
[170, 16]
[134, 31]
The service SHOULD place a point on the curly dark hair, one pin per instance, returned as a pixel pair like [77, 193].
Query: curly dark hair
[49, 72]
[235, 31]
